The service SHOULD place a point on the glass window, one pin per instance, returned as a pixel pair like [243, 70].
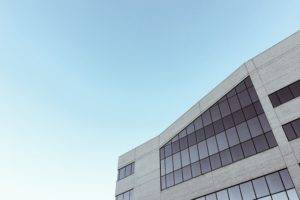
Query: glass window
[225, 157]
[284, 95]
[224, 108]
[240, 87]
[248, 82]
[126, 196]
[200, 135]
[209, 131]
[296, 126]
[163, 182]
[169, 180]
[292, 194]
[182, 134]
[244, 98]
[192, 139]
[185, 157]
[196, 171]
[169, 164]
[186, 173]
[222, 141]
[260, 187]
[205, 165]
[168, 150]
[248, 148]
[236, 152]
[206, 118]
[175, 147]
[295, 88]
[249, 112]
[212, 145]
[228, 122]
[198, 123]
[183, 143]
[211, 197]
[194, 153]
[128, 170]
[253, 94]
[274, 183]
[122, 173]
[231, 93]
[202, 148]
[234, 193]
[178, 176]
[260, 143]
[254, 127]
[215, 113]
[162, 153]
[232, 136]
[215, 161]
[222, 195]
[274, 100]
[258, 108]
[234, 103]
[162, 167]
[190, 128]
[218, 126]
[247, 191]
[264, 123]
[177, 161]
[238, 117]
[286, 179]
[271, 139]
[289, 131]
[243, 132]
[280, 196]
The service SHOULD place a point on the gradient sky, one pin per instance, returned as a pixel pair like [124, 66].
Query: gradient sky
[84, 81]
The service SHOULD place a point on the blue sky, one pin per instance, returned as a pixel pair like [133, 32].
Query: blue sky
[82, 82]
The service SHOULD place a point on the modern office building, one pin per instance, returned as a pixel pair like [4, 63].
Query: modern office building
[240, 141]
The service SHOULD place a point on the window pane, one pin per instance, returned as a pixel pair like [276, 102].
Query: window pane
[258, 108]
[271, 139]
[234, 103]
[249, 112]
[244, 98]
[128, 170]
[175, 147]
[196, 171]
[194, 153]
[224, 108]
[200, 135]
[192, 139]
[248, 148]
[202, 148]
[205, 165]
[168, 150]
[225, 157]
[162, 167]
[222, 195]
[206, 118]
[238, 117]
[218, 126]
[182, 133]
[260, 143]
[280, 196]
[243, 132]
[212, 145]
[289, 132]
[264, 123]
[169, 180]
[248, 82]
[232, 136]
[177, 161]
[296, 126]
[274, 100]
[287, 181]
[284, 95]
[228, 122]
[215, 113]
[253, 94]
[190, 128]
[186, 173]
[185, 157]
[274, 183]
[234, 193]
[231, 93]
[122, 173]
[198, 123]
[162, 153]
[209, 131]
[183, 143]
[254, 127]
[247, 191]
[295, 88]
[240, 87]
[292, 194]
[260, 187]
[163, 182]
[178, 176]
[169, 164]
[126, 196]
[211, 197]
[222, 141]
[236, 153]
[215, 161]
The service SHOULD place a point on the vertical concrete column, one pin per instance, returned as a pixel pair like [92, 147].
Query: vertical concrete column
[285, 148]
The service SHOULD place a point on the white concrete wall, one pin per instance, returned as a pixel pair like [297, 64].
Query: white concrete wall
[269, 71]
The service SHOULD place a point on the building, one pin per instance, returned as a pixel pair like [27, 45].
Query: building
[237, 142]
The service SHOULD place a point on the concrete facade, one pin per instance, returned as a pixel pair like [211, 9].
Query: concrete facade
[269, 71]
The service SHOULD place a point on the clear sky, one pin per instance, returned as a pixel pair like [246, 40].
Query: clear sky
[83, 81]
